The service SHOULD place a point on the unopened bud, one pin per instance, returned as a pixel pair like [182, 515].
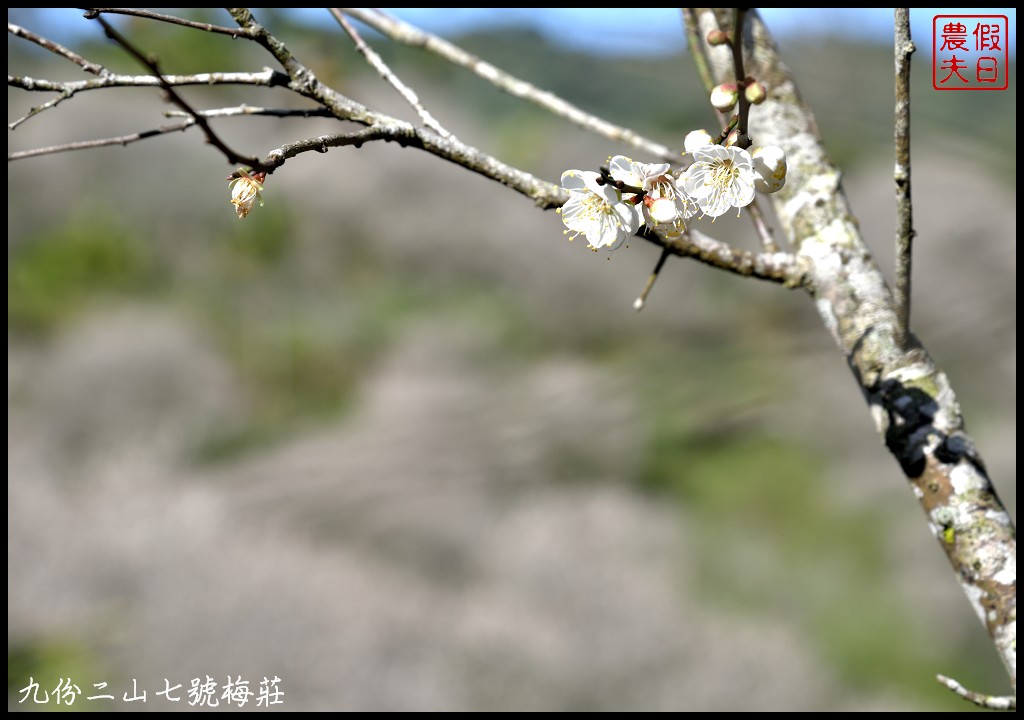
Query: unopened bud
[755, 93]
[725, 96]
[717, 37]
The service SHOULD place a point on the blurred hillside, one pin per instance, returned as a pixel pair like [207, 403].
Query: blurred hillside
[395, 440]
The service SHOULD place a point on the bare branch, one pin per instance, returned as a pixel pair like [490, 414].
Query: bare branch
[409, 35]
[904, 209]
[761, 227]
[249, 110]
[783, 268]
[233, 32]
[743, 112]
[33, 111]
[991, 702]
[385, 72]
[88, 144]
[265, 78]
[641, 300]
[211, 137]
[189, 122]
[56, 48]
[545, 195]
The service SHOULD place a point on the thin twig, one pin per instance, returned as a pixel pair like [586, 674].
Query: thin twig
[67, 90]
[641, 300]
[761, 227]
[991, 702]
[250, 110]
[385, 72]
[698, 51]
[233, 157]
[409, 35]
[88, 144]
[56, 48]
[233, 32]
[266, 78]
[189, 122]
[35, 110]
[904, 209]
[743, 112]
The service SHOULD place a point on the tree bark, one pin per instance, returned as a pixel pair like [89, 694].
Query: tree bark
[910, 398]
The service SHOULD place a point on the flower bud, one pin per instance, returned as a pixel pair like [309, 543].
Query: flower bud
[717, 37]
[725, 96]
[769, 168]
[755, 93]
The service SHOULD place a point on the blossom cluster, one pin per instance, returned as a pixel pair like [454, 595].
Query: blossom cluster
[609, 207]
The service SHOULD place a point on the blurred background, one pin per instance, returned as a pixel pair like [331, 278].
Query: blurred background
[396, 441]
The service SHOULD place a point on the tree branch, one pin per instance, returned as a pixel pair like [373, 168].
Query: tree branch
[266, 78]
[149, 15]
[211, 137]
[990, 702]
[911, 399]
[89, 144]
[56, 48]
[389, 77]
[904, 209]
[412, 36]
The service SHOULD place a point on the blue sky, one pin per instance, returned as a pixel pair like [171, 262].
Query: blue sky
[618, 30]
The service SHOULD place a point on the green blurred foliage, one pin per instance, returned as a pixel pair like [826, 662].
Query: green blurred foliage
[51, 277]
[52, 663]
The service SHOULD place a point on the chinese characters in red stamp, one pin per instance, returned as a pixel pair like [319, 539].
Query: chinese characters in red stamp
[970, 52]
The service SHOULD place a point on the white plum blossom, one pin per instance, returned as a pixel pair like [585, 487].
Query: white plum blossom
[720, 178]
[769, 168]
[664, 206]
[696, 139]
[597, 210]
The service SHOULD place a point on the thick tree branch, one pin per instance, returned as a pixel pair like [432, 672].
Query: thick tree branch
[911, 399]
